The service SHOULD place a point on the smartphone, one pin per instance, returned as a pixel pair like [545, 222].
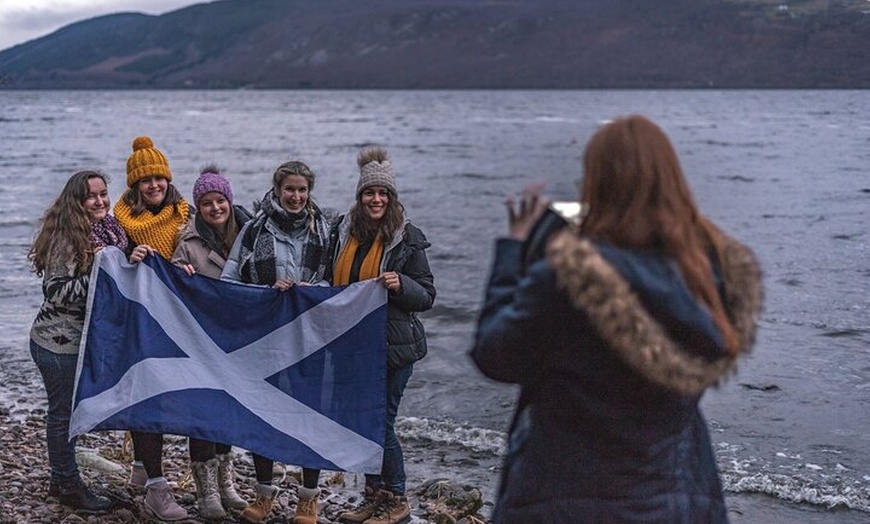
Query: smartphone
[558, 215]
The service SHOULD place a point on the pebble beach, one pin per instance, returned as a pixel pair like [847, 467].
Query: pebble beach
[104, 460]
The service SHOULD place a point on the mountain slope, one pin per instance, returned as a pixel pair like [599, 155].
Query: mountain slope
[457, 44]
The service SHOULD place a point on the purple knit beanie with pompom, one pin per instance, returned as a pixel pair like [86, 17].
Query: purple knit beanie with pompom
[210, 181]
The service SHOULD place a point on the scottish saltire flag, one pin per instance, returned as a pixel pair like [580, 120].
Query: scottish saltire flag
[297, 376]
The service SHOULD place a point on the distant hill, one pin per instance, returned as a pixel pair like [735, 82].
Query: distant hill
[458, 44]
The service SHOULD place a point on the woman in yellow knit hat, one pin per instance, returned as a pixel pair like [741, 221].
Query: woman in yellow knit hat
[151, 211]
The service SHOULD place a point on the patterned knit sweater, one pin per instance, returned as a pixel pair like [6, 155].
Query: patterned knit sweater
[59, 323]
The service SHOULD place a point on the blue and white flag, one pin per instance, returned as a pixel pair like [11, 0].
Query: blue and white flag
[298, 376]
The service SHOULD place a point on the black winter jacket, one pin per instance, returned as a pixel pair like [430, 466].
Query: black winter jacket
[612, 353]
[406, 255]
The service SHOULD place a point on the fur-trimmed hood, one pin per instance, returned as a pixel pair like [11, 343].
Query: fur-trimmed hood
[663, 334]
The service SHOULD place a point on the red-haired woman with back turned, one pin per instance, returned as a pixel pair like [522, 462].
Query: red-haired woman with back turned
[613, 337]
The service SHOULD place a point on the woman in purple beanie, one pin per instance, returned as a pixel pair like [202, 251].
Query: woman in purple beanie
[213, 229]
[203, 245]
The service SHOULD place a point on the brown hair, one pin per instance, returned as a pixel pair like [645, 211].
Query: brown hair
[296, 167]
[638, 198]
[62, 235]
[232, 224]
[133, 198]
[361, 226]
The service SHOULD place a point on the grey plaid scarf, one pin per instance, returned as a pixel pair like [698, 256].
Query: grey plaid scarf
[257, 248]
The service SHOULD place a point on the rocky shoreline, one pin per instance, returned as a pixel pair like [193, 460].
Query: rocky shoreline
[104, 460]
[430, 466]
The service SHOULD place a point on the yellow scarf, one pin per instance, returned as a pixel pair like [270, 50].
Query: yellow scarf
[371, 265]
[158, 231]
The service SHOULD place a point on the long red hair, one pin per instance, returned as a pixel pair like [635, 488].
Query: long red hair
[638, 198]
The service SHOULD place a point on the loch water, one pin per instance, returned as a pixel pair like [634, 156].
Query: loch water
[786, 172]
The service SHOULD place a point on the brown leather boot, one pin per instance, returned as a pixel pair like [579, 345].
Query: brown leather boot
[393, 509]
[306, 508]
[365, 509]
[256, 512]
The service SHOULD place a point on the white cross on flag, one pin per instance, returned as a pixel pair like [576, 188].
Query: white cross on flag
[297, 376]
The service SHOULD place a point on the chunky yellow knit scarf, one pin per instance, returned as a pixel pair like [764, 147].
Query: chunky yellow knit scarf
[370, 267]
[158, 231]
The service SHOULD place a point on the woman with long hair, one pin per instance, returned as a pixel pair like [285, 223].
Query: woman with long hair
[71, 231]
[151, 211]
[376, 240]
[203, 246]
[613, 337]
[282, 246]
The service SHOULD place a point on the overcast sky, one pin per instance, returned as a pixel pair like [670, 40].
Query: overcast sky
[23, 20]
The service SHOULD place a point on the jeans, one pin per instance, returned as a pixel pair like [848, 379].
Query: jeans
[392, 477]
[58, 374]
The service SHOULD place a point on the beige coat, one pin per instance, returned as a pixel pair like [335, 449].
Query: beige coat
[191, 249]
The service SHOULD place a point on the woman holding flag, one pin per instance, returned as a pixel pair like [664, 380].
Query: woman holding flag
[203, 246]
[375, 240]
[151, 211]
[70, 232]
[285, 244]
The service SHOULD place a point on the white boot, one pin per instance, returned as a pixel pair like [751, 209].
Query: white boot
[225, 479]
[208, 502]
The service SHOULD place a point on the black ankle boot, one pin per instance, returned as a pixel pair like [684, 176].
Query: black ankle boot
[81, 498]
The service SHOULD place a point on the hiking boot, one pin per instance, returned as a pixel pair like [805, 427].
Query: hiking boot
[372, 498]
[53, 490]
[306, 508]
[81, 498]
[226, 476]
[208, 502]
[160, 502]
[256, 512]
[138, 476]
[393, 509]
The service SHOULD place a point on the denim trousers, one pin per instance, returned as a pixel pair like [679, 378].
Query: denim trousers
[392, 477]
[58, 374]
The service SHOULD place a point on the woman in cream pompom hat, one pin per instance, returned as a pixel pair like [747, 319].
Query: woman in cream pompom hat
[375, 239]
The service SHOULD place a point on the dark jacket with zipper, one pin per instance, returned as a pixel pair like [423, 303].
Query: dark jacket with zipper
[406, 255]
[612, 353]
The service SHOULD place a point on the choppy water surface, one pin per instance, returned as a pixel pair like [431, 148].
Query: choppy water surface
[784, 171]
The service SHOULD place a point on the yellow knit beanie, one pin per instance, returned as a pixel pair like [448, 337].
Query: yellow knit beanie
[146, 161]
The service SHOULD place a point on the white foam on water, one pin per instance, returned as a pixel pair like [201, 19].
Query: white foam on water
[477, 439]
[556, 119]
[800, 490]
